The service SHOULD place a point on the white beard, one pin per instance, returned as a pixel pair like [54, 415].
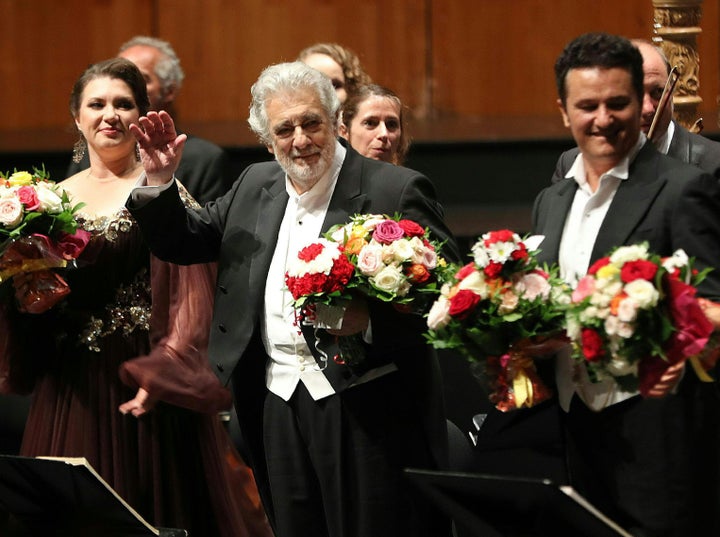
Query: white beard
[306, 175]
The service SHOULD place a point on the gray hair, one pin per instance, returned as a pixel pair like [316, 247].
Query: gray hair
[287, 78]
[168, 68]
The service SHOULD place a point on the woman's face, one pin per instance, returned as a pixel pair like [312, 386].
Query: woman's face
[375, 130]
[107, 109]
[331, 69]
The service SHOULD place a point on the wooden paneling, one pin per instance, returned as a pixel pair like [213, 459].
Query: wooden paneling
[472, 61]
[46, 45]
[224, 45]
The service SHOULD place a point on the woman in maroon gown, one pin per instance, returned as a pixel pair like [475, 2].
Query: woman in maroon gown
[118, 368]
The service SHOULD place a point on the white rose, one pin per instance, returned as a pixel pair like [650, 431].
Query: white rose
[475, 282]
[370, 259]
[611, 325]
[389, 279]
[625, 330]
[588, 314]
[438, 316]
[629, 253]
[627, 310]
[7, 192]
[643, 293]
[402, 250]
[11, 212]
[50, 200]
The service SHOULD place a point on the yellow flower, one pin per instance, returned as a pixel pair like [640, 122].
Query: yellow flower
[607, 272]
[20, 179]
[358, 232]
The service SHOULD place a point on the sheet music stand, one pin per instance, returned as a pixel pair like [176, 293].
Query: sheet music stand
[66, 498]
[499, 506]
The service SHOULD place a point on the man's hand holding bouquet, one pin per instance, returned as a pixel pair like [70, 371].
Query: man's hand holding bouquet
[635, 319]
[38, 233]
[502, 310]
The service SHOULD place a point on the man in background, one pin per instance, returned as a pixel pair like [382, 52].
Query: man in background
[205, 167]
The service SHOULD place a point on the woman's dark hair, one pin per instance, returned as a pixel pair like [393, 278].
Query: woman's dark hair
[117, 68]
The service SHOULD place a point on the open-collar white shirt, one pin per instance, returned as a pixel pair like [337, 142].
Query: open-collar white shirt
[582, 225]
[290, 358]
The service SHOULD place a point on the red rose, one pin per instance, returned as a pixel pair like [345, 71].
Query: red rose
[600, 263]
[411, 228]
[465, 271]
[520, 254]
[463, 303]
[592, 345]
[493, 269]
[71, 246]
[310, 252]
[640, 269]
[417, 273]
[28, 197]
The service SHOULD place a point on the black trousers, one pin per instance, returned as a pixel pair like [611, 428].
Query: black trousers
[335, 465]
[652, 465]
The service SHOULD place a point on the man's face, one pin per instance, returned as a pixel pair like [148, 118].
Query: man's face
[302, 136]
[146, 58]
[654, 77]
[603, 113]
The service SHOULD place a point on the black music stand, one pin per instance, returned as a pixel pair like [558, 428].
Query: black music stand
[65, 497]
[499, 506]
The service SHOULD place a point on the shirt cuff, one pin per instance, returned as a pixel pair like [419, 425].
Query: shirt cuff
[142, 193]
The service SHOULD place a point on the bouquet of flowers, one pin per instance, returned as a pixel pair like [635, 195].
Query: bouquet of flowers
[389, 259]
[502, 310]
[38, 232]
[395, 259]
[634, 315]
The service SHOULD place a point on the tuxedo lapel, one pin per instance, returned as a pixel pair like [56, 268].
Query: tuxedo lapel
[631, 203]
[347, 199]
[273, 202]
[553, 216]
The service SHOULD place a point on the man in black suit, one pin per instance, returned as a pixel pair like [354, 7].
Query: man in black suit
[327, 442]
[669, 137]
[205, 167]
[651, 464]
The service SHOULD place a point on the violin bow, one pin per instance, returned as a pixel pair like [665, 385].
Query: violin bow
[664, 99]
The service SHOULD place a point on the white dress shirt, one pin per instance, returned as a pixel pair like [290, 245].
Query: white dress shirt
[582, 226]
[290, 358]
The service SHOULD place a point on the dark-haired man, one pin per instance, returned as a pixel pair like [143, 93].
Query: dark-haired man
[651, 464]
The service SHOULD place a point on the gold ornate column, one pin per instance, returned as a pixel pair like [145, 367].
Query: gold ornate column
[677, 25]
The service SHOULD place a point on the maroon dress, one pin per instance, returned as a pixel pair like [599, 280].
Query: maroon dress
[133, 321]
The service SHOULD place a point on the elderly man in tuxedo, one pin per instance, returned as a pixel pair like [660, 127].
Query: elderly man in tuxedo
[670, 138]
[328, 443]
[652, 464]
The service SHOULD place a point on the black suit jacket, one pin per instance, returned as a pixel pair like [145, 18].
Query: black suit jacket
[695, 149]
[665, 202]
[240, 231]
